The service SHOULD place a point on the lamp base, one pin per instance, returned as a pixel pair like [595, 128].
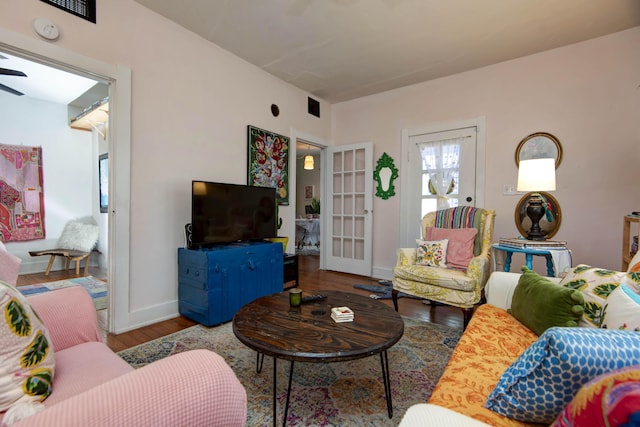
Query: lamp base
[535, 212]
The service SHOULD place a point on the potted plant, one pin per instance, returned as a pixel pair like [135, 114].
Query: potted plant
[283, 240]
[315, 207]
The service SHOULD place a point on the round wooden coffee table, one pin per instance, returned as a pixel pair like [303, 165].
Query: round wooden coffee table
[309, 334]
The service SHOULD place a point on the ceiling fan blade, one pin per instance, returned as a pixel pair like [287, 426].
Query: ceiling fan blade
[10, 90]
[7, 72]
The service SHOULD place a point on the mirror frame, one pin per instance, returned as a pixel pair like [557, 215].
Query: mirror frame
[549, 143]
[385, 161]
[521, 215]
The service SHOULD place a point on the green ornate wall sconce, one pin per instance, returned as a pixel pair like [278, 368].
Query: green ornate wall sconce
[384, 175]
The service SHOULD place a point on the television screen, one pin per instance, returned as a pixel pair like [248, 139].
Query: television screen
[226, 213]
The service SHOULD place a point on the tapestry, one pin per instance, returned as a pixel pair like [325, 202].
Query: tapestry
[21, 193]
[269, 162]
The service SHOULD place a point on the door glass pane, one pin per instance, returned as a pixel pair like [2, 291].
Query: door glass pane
[337, 183]
[337, 225]
[360, 159]
[347, 248]
[348, 183]
[337, 204]
[358, 249]
[359, 227]
[359, 185]
[348, 161]
[348, 226]
[335, 247]
[348, 205]
[359, 207]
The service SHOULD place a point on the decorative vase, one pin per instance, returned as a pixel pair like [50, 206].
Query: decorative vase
[283, 240]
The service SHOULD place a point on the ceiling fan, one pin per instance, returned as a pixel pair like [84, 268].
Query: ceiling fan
[8, 72]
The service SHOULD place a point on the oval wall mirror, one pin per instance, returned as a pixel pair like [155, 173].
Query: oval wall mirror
[539, 145]
[384, 175]
[550, 222]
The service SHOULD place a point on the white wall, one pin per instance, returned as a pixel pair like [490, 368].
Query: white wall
[585, 94]
[68, 168]
[191, 104]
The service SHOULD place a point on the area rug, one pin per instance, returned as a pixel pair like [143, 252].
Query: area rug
[323, 394]
[96, 288]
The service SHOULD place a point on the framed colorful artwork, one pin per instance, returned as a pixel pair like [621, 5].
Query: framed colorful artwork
[269, 162]
[308, 192]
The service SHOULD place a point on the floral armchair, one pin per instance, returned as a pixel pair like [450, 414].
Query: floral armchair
[459, 286]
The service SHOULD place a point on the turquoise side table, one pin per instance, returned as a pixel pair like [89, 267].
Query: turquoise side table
[528, 254]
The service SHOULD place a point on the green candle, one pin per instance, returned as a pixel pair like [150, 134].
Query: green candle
[295, 297]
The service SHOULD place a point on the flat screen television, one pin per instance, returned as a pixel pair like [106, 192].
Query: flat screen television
[226, 213]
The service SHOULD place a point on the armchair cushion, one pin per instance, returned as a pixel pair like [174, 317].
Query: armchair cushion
[432, 252]
[460, 247]
[540, 304]
[26, 355]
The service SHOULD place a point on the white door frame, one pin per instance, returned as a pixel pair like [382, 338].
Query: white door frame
[405, 199]
[119, 79]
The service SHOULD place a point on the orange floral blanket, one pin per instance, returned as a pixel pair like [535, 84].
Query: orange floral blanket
[492, 341]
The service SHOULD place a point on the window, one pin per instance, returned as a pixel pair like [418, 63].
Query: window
[83, 8]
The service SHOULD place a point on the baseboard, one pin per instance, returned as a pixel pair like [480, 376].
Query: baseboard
[150, 315]
[382, 273]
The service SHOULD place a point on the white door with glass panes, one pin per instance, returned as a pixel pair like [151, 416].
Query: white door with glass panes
[442, 170]
[348, 218]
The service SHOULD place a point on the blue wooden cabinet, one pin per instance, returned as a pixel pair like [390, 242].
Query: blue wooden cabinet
[214, 283]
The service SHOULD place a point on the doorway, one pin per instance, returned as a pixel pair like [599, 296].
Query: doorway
[119, 80]
[308, 199]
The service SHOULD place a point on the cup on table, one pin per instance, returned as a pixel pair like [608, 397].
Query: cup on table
[295, 297]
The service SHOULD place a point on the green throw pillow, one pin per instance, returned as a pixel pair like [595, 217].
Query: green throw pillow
[540, 304]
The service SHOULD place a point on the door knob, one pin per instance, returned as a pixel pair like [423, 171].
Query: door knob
[469, 199]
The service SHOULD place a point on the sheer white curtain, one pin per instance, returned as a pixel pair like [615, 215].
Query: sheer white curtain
[441, 162]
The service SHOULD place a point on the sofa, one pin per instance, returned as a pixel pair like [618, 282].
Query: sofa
[495, 341]
[92, 386]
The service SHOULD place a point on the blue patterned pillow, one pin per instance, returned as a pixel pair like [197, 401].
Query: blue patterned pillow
[544, 379]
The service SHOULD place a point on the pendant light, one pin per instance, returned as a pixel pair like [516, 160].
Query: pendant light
[308, 162]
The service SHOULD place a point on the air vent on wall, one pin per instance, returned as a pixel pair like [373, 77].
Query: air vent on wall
[314, 107]
[83, 8]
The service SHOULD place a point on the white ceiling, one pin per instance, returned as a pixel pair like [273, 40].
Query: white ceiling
[43, 82]
[344, 49]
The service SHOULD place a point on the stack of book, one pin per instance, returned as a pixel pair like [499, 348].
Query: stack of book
[342, 314]
[521, 243]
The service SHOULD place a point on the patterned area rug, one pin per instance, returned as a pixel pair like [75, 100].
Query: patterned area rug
[332, 394]
[96, 288]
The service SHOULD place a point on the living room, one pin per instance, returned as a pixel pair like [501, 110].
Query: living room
[189, 103]
[559, 91]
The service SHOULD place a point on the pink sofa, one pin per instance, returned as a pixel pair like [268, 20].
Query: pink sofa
[95, 387]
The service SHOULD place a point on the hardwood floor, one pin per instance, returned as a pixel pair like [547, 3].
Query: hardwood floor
[311, 281]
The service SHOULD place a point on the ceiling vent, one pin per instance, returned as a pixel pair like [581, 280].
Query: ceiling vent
[83, 8]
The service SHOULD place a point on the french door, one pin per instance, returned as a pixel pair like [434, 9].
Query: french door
[418, 195]
[348, 220]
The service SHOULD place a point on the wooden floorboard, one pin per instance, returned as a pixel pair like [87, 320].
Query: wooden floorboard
[311, 281]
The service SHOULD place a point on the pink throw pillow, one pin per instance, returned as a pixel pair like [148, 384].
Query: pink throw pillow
[460, 248]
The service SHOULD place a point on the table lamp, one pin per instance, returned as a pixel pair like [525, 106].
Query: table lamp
[536, 175]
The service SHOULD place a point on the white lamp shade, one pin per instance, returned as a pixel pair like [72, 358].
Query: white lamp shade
[308, 162]
[537, 175]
